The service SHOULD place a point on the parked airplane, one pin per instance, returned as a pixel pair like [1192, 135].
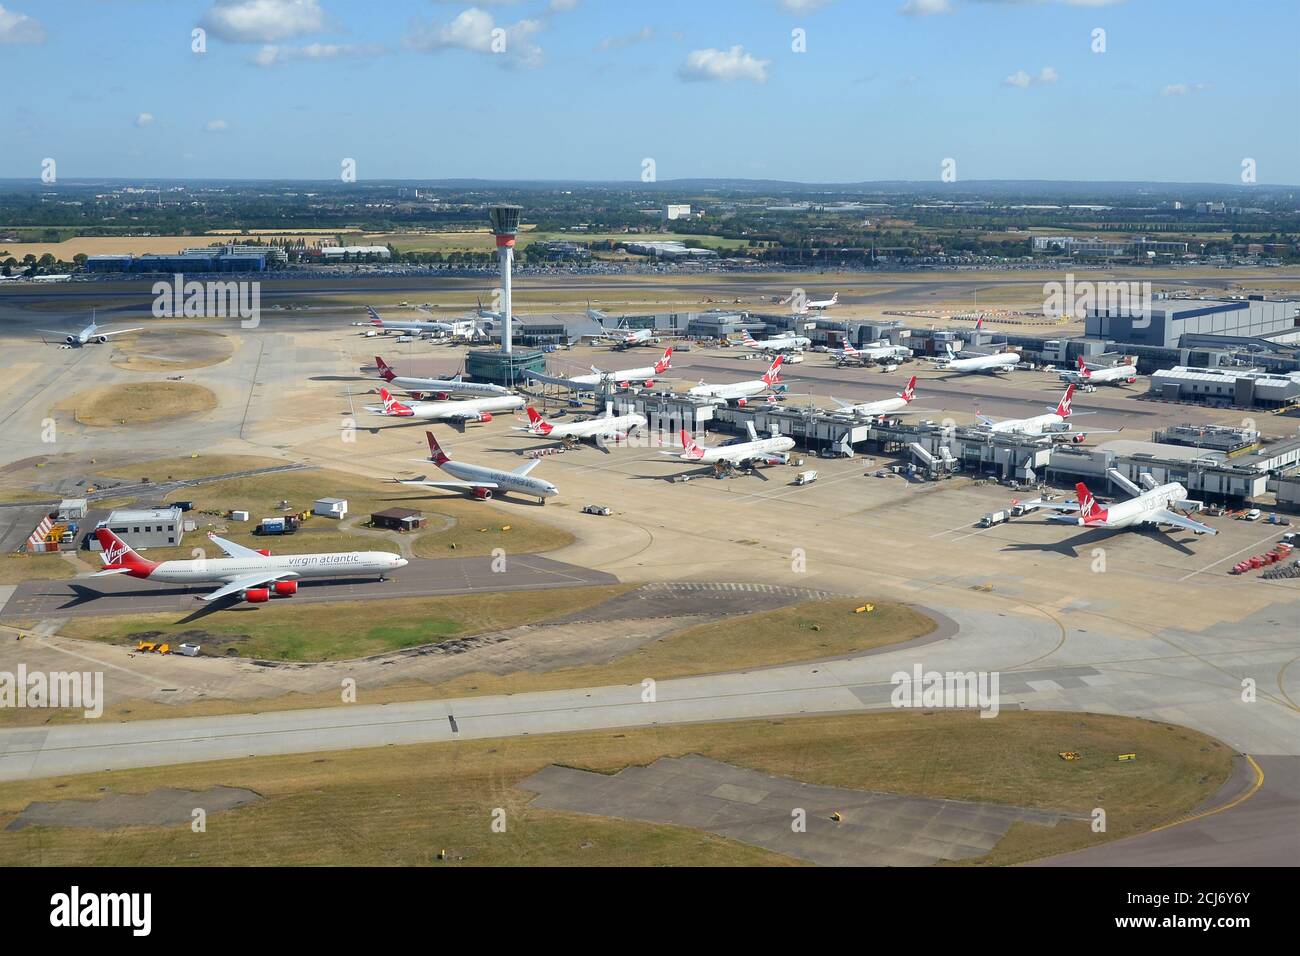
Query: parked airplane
[872, 353]
[785, 342]
[410, 325]
[469, 410]
[255, 576]
[480, 480]
[743, 455]
[1102, 374]
[741, 392]
[91, 333]
[605, 428]
[621, 377]
[1151, 505]
[439, 388]
[626, 338]
[1055, 422]
[822, 304]
[884, 406]
[996, 363]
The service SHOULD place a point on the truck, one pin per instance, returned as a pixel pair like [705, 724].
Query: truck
[285, 524]
[992, 518]
[805, 478]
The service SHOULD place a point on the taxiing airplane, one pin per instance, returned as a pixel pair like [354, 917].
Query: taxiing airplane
[254, 575]
[1103, 374]
[621, 377]
[480, 480]
[608, 427]
[1152, 505]
[743, 455]
[438, 388]
[785, 342]
[411, 325]
[995, 364]
[469, 410]
[91, 333]
[884, 406]
[741, 392]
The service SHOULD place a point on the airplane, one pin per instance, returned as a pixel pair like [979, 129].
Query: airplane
[622, 338]
[996, 363]
[620, 377]
[741, 392]
[602, 429]
[1150, 505]
[819, 305]
[785, 342]
[1053, 423]
[413, 325]
[872, 353]
[1102, 375]
[743, 455]
[469, 410]
[481, 480]
[91, 333]
[885, 406]
[440, 389]
[255, 576]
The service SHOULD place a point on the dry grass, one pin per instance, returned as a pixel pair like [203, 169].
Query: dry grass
[138, 403]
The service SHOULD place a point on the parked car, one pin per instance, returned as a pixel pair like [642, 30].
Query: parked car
[596, 510]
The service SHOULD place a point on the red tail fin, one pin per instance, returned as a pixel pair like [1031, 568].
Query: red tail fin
[119, 554]
[909, 393]
[665, 363]
[538, 422]
[1063, 406]
[391, 405]
[436, 454]
[691, 449]
[773, 374]
[1089, 509]
[385, 370]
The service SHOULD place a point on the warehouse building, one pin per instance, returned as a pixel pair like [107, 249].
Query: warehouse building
[144, 528]
[1226, 387]
[1166, 321]
[223, 259]
[398, 519]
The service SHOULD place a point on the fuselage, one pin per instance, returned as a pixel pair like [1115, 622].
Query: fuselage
[504, 480]
[1139, 510]
[735, 390]
[1035, 425]
[983, 363]
[210, 570]
[464, 409]
[1115, 373]
[594, 426]
[645, 373]
[742, 451]
[439, 386]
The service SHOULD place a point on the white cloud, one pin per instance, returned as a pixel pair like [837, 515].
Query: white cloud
[803, 6]
[562, 6]
[273, 55]
[1022, 80]
[263, 21]
[144, 119]
[1019, 78]
[925, 8]
[18, 27]
[476, 30]
[729, 65]
[217, 126]
[1183, 89]
[644, 35]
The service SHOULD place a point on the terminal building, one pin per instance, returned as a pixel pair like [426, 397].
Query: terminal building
[1227, 387]
[223, 259]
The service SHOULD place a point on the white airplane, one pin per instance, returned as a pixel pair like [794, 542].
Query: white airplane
[873, 353]
[412, 325]
[605, 428]
[438, 388]
[819, 305]
[785, 342]
[996, 363]
[255, 576]
[469, 410]
[741, 392]
[620, 377]
[1151, 505]
[885, 406]
[480, 480]
[622, 338]
[91, 333]
[1102, 375]
[1053, 423]
[749, 454]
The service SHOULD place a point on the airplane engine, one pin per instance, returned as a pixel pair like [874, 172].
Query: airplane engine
[417, 396]
[102, 339]
[742, 402]
[71, 340]
[257, 595]
[285, 588]
[485, 416]
[442, 396]
[1130, 381]
[649, 383]
[1078, 438]
[482, 494]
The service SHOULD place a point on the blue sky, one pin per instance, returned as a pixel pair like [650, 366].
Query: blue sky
[586, 89]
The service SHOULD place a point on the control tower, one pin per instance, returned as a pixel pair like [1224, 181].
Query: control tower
[505, 367]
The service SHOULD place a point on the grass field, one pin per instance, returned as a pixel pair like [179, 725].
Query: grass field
[14, 569]
[286, 631]
[137, 403]
[402, 805]
[170, 350]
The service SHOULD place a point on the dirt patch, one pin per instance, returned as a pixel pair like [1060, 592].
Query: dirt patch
[166, 807]
[138, 403]
[165, 350]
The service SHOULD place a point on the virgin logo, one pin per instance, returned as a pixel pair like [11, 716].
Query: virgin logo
[116, 553]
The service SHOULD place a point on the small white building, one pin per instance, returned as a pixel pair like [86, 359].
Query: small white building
[72, 509]
[677, 211]
[330, 508]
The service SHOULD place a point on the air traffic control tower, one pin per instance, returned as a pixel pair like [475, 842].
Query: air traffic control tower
[507, 366]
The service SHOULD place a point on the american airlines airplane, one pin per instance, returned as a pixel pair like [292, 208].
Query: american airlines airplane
[872, 353]
[741, 392]
[749, 454]
[439, 388]
[412, 325]
[1103, 375]
[885, 406]
[785, 342]
[255, 576]
[1152, 505]
[91, 333]
[605, 428]
[469, 410]
[620, 377]
[480, 480]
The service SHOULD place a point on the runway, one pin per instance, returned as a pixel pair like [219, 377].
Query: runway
[121, 595]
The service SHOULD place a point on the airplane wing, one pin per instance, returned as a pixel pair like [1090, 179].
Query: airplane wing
[100, 574]
[447, 484]
[1114, 475]
[56, 332]
[526, 467]
[232, 549]
[1053, 505]
[248, 581]
[556, 380]
[120, 331]
[1169, 517]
